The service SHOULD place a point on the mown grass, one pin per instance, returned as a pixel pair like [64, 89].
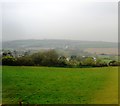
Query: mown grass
[44, 85]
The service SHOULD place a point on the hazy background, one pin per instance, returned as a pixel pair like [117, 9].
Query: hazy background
[60, 19]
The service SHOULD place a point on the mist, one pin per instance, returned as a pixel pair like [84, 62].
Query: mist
[60, 19]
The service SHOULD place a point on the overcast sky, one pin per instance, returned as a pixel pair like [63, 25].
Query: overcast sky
[60, 19]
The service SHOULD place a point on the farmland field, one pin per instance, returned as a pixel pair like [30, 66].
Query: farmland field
[110, 51]
[49, 85]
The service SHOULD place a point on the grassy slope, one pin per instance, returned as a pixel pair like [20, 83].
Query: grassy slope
[56, 44]
[110, 92]
[42, 85]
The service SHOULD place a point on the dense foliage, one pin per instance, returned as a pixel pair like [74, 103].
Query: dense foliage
[51, 58]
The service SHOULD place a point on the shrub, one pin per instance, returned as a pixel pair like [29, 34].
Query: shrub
[8, 60]
[88, 62]
[24, 61]
[113, 63]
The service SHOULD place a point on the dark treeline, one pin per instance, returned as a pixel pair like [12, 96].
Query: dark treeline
[52, 59]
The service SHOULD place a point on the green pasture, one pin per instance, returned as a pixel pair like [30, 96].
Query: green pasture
[49, 85]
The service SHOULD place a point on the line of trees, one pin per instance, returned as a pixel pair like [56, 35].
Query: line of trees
[51, 58]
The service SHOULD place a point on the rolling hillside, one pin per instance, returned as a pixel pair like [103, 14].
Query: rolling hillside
[56, 44]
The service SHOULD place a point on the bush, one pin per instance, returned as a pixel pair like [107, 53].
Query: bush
[37, 58]
[50, 58]
[113, 63]
[8, 60]
[24, 61]
[88, 62]
[47, 58]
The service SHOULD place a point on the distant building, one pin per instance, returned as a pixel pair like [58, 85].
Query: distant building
[68, 59]
[66, 47]
[94, 58]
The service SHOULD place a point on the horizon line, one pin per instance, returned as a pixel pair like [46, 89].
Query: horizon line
[59, 39]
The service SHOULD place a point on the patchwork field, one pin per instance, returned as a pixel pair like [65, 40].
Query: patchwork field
[111, 51]
[43, 85]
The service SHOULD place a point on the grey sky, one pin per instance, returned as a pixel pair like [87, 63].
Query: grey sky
[60, 19]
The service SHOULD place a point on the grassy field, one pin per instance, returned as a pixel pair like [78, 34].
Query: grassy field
[43, 85]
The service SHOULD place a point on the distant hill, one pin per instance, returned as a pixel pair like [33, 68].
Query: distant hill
[56, 44]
